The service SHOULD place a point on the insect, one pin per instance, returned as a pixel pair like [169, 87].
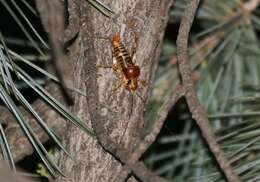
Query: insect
[123, 66]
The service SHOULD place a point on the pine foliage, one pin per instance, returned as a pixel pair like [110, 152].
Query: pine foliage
[224, 54]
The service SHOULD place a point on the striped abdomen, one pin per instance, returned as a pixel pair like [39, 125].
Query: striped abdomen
[123, 65]
[120, 53]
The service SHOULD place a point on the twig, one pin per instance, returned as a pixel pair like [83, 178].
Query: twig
[197, 111]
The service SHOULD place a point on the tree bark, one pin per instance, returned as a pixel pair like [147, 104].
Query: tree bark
[120, 115]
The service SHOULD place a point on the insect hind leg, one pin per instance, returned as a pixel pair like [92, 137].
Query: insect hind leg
[104, 66]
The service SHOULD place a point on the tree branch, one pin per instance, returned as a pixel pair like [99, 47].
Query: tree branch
[118, 119]
[52, 14]
[197, 111]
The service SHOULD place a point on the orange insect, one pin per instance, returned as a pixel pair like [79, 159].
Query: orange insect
[123, 65]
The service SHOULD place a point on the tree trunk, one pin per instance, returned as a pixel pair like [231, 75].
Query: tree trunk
[140, 23]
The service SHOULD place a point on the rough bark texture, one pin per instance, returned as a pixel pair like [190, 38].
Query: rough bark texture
[122, 113]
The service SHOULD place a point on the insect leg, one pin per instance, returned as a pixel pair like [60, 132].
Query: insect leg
[104, 66]
[117, 87]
